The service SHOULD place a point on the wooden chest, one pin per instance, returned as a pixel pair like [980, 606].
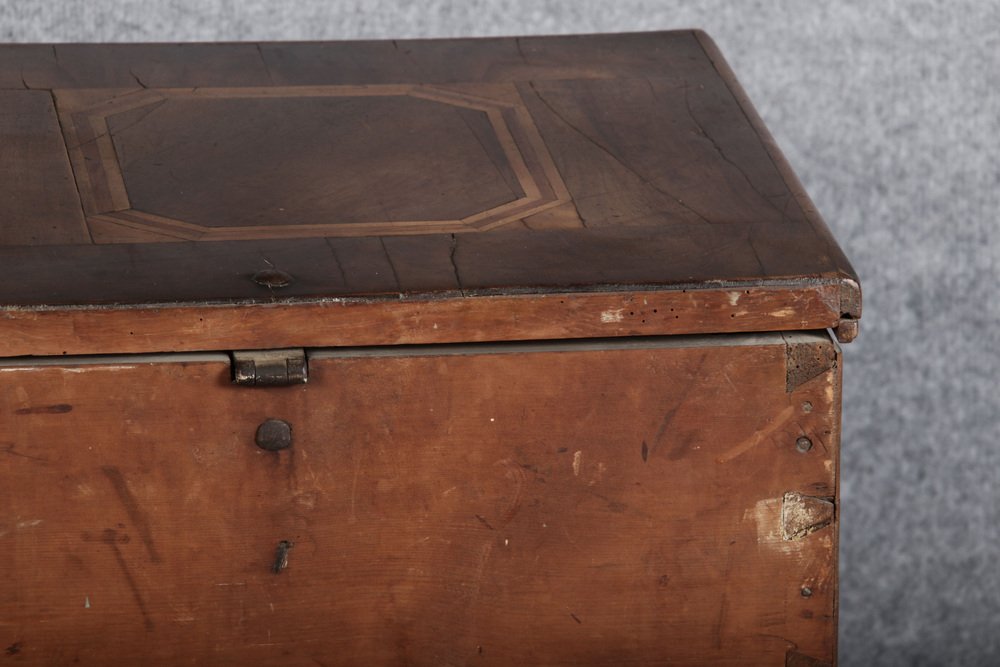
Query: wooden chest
[467, 352]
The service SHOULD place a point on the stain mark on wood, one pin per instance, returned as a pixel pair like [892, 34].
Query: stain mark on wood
[645, 451]
[112, 539]
[57, 409]
[135, 513]
[576, 618]
[802, 515]
[483, 521]
[15, 648]
[281, 556]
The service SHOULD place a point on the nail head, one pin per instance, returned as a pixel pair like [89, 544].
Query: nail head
[274, 435]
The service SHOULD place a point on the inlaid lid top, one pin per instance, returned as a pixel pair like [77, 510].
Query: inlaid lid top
[482, 180]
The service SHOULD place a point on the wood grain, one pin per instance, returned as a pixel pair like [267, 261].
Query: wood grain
[847, 330]
[343, 63]
[286, 162]
[500, 166]
[586, 503]
[414, 321]
[39, 204]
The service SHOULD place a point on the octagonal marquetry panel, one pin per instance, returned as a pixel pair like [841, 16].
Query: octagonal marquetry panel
[257, 163]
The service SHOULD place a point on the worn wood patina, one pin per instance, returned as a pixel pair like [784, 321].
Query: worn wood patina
[446, 352]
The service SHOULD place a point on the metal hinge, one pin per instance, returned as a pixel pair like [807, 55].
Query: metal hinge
[270, 368]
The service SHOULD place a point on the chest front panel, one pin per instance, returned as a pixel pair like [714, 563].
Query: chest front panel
[649, 502]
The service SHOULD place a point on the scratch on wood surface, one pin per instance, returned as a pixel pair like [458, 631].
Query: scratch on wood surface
[137, 79]
[718, 630]
[147, 110]
[520, 50]
[111, 539]
[516, 474]
[721, 153]
[337, 262]
[263, 61]
[678, 450]
[759, 436]
[135, 512]
[392, 265]
[8, 448]
[577, 462]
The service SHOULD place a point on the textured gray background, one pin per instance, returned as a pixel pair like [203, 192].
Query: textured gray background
[890, 113]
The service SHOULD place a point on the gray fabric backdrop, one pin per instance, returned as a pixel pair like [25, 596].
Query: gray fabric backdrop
[890, 113]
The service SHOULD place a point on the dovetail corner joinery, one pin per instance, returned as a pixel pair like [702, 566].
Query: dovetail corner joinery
[802, 515]
[270, 368]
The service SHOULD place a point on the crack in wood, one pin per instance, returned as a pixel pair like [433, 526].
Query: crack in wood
[69, 163]
[392, 266]
[644, 180]
[267, 70]
[454, 264]
[722, 153]
[137, 79]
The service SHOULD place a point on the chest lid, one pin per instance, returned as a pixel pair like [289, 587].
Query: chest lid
[236, 196]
